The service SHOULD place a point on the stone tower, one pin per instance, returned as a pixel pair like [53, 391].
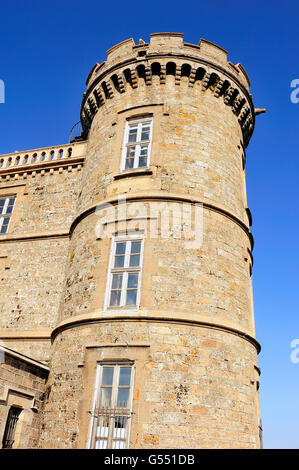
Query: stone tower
[154, 346]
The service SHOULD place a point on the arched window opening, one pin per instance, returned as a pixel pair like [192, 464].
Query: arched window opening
[224, 87]
[105, 90]
[170, 68]
[213, 80]
[156, 69]
[186, 70]
[128, 76]
[200, 73]
[115, 82]
[140, 69]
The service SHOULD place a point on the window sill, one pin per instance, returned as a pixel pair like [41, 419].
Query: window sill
[127, 309]
[133, 172]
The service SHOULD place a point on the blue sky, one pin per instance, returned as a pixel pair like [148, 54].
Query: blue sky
[47, 49]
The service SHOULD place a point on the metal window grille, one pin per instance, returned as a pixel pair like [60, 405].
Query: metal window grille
[112, 413]
[10, 428]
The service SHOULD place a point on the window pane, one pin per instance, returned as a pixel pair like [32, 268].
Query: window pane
[135, 247]
[131, 297]
[125, 376]
[142, 162]
[2, 201]
[143, 156]
[123, 397]
[132, 134]
[129, 163]
[119, 425]
[103, 424]
[119, 261]
[132, 281]
[120, 248]
[145, 133]
[5, 225]
[118, 444]
[105, 396]
[101, 444]
[134, 260]
[130, 157]
[117, 281]
[115, 298]
[107, 377]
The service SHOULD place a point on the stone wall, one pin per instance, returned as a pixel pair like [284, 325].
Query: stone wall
[22, 384]
[34, 251]
[194, 387]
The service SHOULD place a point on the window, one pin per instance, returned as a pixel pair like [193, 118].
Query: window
[137, 144]
[112, 406]
[10, 427]
[6, 207]
[124, 279]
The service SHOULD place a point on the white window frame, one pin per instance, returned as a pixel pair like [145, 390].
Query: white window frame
[3, 214]
[138, 144]
[127, 412]
[125, 270]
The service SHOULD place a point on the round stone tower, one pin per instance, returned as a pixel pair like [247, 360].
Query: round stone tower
[155, 345]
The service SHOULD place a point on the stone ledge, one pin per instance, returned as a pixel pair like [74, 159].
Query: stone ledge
[180, 317]
[33, 236]
[38, 333]
[22, 357]
[163, 196]
[133, 172]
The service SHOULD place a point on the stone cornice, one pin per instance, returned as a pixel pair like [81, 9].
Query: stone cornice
[163, 196]
[14, 237]
[178, 317]
[23, 358]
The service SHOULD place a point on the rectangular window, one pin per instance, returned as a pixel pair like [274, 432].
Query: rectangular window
[10, 427]
[124, 279]
[6, 207]
[137, 144]
[113, 406]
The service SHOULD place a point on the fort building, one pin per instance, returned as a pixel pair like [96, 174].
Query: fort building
[126, 262]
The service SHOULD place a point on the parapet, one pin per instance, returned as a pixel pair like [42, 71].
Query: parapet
[167, 54]
[171, 44]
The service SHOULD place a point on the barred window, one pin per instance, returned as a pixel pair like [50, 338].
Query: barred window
[137, 144]
[6, 208]
[124, 278]
[10, 427]
[113, 406]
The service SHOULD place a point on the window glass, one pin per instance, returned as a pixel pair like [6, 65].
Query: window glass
[124, 277]
[113, 407]
[137, 142]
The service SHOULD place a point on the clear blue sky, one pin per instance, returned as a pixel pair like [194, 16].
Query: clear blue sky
[47, 50]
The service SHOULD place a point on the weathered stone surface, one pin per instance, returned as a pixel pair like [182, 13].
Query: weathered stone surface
[192, 338]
